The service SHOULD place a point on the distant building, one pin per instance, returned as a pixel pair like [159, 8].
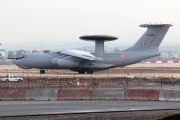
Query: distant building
[175, 56]
[2, 52]
[12, 54]
[164, 55]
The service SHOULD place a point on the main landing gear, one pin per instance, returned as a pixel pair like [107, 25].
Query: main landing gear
[42, 71]
[90, 71]
[83, 71]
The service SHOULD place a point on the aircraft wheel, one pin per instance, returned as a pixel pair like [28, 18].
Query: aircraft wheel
[81, 71]
[90, 72]
[42, 71]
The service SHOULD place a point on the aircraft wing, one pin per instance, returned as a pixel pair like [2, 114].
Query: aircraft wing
[80, 54]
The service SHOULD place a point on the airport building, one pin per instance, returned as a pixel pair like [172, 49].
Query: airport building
[2, 52]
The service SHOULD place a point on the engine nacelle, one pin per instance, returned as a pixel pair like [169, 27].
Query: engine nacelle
[55, 61]
[62, 63]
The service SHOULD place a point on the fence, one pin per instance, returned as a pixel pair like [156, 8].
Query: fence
[92, 89]
[94, 84]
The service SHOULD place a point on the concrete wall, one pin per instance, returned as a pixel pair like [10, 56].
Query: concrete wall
[104, 94]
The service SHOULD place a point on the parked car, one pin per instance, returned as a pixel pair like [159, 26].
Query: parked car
[11, 78]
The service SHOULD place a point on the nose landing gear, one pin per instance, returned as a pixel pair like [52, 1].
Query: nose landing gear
[42, 71]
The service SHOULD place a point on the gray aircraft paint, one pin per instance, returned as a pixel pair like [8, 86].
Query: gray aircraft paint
[146, 47]
[152, 37]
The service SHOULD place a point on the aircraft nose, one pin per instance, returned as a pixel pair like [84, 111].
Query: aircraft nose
[16, 62]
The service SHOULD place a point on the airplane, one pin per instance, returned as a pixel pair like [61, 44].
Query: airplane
[86, 62]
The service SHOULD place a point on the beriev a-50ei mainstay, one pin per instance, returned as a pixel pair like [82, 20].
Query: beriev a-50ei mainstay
[83, 61]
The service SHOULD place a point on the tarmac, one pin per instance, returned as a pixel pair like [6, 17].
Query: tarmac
[135, 70]
[32, 108]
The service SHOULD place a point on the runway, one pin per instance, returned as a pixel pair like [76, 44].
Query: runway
[27, 108]
[135, 70]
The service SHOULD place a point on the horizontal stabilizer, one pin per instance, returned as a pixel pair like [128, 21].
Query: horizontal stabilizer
[16, 58]
[155, 25]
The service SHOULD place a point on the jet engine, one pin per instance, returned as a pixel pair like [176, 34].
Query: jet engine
[63, 63]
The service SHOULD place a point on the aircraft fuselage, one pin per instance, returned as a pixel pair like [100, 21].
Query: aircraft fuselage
[120, 59]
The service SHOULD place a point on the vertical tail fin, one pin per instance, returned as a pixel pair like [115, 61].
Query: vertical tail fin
[152, 37]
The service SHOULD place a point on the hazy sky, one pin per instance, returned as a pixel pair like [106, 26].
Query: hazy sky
[59, 23]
